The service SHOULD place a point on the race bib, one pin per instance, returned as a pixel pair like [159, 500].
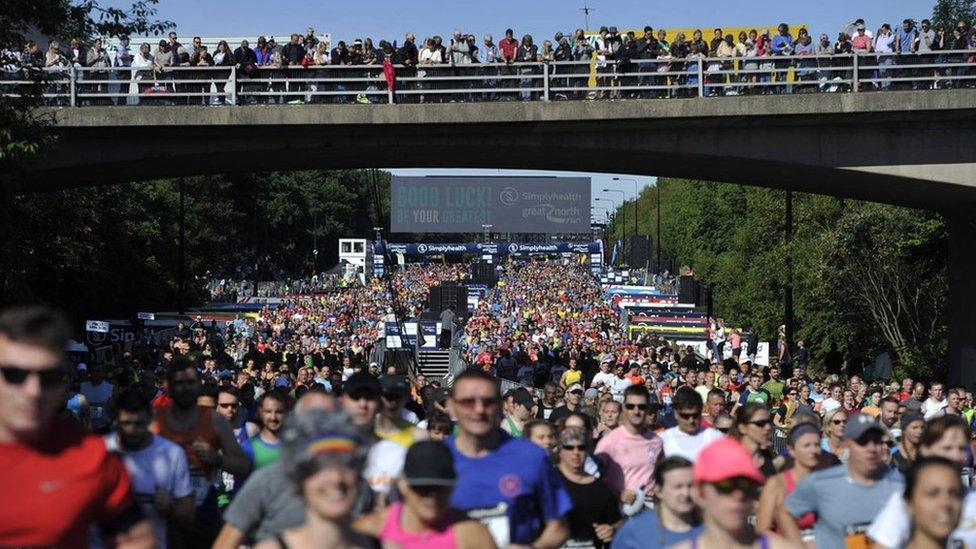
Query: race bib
[495, 520]
[856, 536]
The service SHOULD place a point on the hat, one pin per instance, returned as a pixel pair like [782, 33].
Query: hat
[859, 424]
[361, 382]
[395, 385]
[81, 367]
[591, 393]
[429, 463]
[909, 418]
[522, 396]
[724, 459]
[604, 29]
[558, 36]
[860, 27]
[574, 387]
[613, 30]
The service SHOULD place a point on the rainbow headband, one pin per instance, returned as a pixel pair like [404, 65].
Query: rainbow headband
[332, 443]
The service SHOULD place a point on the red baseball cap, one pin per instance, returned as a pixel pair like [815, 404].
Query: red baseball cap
[724, 459]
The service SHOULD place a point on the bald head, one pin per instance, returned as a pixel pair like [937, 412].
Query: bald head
[316, 400]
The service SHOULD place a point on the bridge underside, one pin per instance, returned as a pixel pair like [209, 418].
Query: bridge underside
[905, 148]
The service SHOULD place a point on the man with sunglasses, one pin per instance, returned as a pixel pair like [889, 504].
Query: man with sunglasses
[158, 467]
[571, 403]
[630, 452]
[229, 406]
[688, 437]
[57, 480]
[725, 486]
[507, 483]
[847, 497]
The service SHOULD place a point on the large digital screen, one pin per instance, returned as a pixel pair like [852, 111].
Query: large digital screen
[551, 205]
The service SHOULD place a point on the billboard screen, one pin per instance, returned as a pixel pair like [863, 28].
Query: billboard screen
[508, 204]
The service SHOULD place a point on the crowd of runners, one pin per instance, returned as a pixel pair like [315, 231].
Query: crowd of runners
[280, 430]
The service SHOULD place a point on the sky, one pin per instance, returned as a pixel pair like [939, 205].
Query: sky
[391, 19]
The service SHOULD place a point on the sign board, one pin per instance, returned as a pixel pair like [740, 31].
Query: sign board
[97, 326]
[509, 204]
[395, 340]
[146, 316]
[701, 347]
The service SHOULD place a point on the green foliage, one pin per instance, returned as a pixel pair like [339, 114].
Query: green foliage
[866, 277]
[113, 249]
[947, 13]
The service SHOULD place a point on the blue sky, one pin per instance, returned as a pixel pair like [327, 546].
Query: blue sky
[391, 19]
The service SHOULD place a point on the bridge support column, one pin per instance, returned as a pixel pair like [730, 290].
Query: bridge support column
[962, 298]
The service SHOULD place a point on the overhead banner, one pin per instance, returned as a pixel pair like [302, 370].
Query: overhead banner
[491, 248]
[551, 205]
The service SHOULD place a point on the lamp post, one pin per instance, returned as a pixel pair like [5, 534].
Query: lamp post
[615, 208]
[636, 196]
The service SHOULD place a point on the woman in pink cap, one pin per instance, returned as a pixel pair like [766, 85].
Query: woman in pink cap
[726, 484]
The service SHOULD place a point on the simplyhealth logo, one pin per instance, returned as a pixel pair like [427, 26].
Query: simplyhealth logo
[509, 196]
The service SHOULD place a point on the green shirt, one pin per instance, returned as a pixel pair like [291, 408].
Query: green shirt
[265, 453]
[774, 388]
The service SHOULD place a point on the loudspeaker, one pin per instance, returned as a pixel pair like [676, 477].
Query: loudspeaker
[640, 250]
[687, 290]
[445, 295]
[483, 273]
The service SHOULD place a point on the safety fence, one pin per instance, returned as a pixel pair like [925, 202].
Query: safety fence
[543, 81]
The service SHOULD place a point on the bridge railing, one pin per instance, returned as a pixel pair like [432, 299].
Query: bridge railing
[542, 81]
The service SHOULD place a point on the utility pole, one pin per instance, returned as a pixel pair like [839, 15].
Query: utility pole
[586, 15]
[789, 271]
[181, 250]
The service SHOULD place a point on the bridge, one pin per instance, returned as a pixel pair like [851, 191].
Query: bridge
[908, 148]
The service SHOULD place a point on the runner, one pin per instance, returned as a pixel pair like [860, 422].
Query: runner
[672, 519]
[158, 468]
[322, 459]
[726, 483]
[266, 446]
[630, 452]
[847, 497]
[507, 483]
[688, 437]
[934, 499]
[57, 481]
[424, 519]
[944, 437]
[523, 410]
[596, 514]
[803, 445]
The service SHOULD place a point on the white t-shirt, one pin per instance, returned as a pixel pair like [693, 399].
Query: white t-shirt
[892, 527]
[680, 443]
[384, 464]
[602, 378]
[161, 465]
[828, 405]
[931, 408]
[617, 387]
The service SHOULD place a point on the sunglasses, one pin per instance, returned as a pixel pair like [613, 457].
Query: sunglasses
[469, 402]
[761, 423]
[729, 485]
[228, 405]
[576, 392]
[631, 406]
[691, 415]
[49, 378]
[723, 429]
[574, 448]
[430, 491]
[838, 421]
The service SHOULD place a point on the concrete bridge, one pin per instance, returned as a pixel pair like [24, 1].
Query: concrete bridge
[908, 148]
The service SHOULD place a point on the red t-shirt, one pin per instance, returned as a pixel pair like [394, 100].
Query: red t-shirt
[508, 48]
[55, 491]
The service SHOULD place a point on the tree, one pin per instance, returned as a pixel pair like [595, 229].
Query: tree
[947, 13]
[23, 132]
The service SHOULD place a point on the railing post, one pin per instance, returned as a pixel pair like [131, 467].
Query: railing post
[855, 84]
[701, 77]
[545, 81]
[233, 85]
[71, 87]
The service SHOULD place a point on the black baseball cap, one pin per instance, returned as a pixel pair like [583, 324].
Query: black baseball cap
[429, 463]
[395, 385]
[362, 383]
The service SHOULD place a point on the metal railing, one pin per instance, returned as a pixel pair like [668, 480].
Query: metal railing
[543, 81]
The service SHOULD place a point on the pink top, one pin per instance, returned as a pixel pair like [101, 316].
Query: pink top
[629, 459]
[429, 539]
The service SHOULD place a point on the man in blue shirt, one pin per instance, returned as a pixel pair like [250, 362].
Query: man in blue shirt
[782, 45]
[507, 483]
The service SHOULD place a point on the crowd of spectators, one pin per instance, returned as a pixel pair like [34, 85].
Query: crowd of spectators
[755, 62]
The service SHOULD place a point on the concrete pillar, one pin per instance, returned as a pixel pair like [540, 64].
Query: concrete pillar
[962, 298]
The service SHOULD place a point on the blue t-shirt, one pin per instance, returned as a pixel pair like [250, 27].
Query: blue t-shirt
[513, 491]
[644, 532]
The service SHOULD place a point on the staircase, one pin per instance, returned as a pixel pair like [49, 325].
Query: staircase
[434, 364]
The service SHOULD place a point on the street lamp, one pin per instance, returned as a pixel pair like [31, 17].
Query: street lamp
[636, 196]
